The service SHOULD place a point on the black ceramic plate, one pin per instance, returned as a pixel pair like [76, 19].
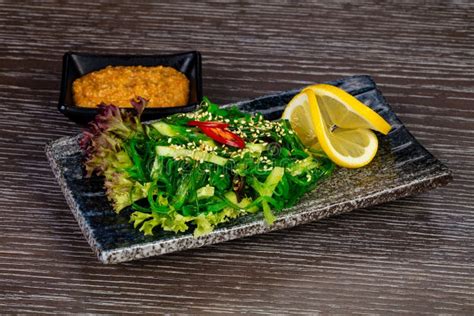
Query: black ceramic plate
[401, 167]
[76, 65]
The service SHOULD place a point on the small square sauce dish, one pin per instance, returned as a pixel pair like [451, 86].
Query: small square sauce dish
[76, 65]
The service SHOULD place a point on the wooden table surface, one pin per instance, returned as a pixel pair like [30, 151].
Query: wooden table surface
[411, 256]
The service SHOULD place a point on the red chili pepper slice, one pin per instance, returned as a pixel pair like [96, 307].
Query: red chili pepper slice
[223, 136]
[208, 124]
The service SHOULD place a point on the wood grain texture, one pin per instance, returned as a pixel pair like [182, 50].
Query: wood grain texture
[412, 256]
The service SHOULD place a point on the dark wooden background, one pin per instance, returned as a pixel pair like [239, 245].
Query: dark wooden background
[412, 256]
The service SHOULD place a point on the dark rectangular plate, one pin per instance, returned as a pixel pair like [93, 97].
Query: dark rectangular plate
[76, 65]
[401, 167]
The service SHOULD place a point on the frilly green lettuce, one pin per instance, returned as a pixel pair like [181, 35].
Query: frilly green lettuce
[175, 222]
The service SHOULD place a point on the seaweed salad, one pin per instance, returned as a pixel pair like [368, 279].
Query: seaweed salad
[193, 171]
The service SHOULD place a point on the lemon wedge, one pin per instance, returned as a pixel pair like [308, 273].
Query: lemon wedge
[299, 112]
[328, 118]
[345, 111]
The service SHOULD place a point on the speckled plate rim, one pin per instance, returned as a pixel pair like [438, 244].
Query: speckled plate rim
[283, 221]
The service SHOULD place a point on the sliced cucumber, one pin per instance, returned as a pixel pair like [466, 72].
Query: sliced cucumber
[205, 192]
[195, 154]
[255, 148]
[303, 165]
[166, 129]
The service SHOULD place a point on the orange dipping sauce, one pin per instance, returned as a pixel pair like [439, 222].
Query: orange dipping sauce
[117, 85]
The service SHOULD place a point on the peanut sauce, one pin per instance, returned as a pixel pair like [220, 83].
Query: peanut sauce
[117, 85]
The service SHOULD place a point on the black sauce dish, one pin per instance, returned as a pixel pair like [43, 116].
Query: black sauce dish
[76, 65]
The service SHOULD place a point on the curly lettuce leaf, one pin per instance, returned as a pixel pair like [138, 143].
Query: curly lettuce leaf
[104, 139]
[103, 145]
[175, 222]
[123, 192]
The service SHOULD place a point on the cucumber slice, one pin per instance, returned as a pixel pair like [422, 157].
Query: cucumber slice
[303, 165]
[205, 192]
[195, 154]
[255, 148]
[166, 129]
